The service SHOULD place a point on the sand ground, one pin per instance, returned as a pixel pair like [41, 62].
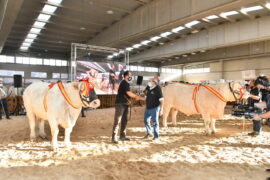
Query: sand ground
[183, 152]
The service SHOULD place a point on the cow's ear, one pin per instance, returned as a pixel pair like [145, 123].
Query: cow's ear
[75, 85]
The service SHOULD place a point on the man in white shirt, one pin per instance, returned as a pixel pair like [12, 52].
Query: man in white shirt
[3, 100]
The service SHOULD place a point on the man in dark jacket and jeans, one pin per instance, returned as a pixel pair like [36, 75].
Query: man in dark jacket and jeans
[154, 108]
[121, 107]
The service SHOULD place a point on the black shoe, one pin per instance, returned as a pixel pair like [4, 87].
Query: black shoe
[254, 133]
[267, 170]
[114, 141]
[8, 118]
[124, 139]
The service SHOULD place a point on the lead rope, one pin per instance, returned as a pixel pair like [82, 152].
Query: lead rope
[232, 92]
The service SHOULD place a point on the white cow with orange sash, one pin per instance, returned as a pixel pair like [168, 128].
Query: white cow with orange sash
[60, 104]
[207, 100]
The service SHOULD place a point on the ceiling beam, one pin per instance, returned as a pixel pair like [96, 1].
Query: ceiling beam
[25, 21]
[77, 32]
[68, 18]
[14, 33]
[40, 46]
[247, 15]
[39, 41]
[84, 11]
[52, 31]
[109, 6]
[143, 2]
[8, 14]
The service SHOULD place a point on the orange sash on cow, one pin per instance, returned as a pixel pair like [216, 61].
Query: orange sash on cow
[63, 92]
[196, 90]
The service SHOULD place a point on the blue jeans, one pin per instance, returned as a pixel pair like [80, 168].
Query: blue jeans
[4, 103]
[152, 113]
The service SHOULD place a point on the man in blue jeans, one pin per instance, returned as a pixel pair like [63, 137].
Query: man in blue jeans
[154, 108]
[3, 100]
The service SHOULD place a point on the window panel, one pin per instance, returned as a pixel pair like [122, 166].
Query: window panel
[52, 62]
[58, 62]
[64, 76]
[19, 60]
[10, 72]
[64, 63]
[56, 75]
[46, 62]
[140, 68]
[39, 74]
[25, 60]
[10, 59]
[3, 59]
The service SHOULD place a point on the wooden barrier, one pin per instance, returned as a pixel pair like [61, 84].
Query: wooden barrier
[106, 101]
[13, 103]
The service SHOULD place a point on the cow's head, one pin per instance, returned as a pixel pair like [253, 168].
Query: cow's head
[237, 91]
[87, 94]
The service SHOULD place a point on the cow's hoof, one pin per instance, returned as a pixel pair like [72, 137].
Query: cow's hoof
[43, 136]
[68, 146]
[33, 139]
[207, 133]
[55, 149]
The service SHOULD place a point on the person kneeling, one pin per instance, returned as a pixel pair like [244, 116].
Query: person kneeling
[154, 108]
[261, 83]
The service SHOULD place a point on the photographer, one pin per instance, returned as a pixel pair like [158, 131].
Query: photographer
[262, 83]
[254, 93]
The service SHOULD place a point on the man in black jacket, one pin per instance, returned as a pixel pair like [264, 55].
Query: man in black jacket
[121, 107]
[154, 108]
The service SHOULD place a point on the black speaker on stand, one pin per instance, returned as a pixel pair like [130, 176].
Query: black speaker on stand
[17, 79]
[17, 82]
[139, 82]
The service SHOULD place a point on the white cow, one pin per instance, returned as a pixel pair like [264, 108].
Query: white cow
[180, 97]
[38, 96]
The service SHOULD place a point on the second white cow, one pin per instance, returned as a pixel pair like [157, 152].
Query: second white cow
[209, 102]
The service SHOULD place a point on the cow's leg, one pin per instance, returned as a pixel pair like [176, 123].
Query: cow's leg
[67, 137]
[166, 112]
[32, 123]
[42, 133]
[54, 131]
[207, 121]
[213, 125]
[174, 114]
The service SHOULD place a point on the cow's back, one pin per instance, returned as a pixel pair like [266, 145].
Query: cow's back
[179, 96]
[34, 98]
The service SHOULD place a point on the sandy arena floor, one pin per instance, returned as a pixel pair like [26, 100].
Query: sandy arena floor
[183, 152]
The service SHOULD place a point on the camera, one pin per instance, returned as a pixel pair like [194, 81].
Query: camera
[246, 110]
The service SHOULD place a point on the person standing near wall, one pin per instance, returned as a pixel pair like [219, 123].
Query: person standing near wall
[3, 100]
[112, 79]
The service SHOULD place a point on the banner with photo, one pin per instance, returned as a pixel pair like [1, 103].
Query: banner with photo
[106, 76]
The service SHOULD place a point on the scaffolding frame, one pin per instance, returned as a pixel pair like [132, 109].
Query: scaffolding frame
[78, 46]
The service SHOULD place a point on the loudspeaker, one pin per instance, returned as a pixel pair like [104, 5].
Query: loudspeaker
[17, 79]
[139, 80]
